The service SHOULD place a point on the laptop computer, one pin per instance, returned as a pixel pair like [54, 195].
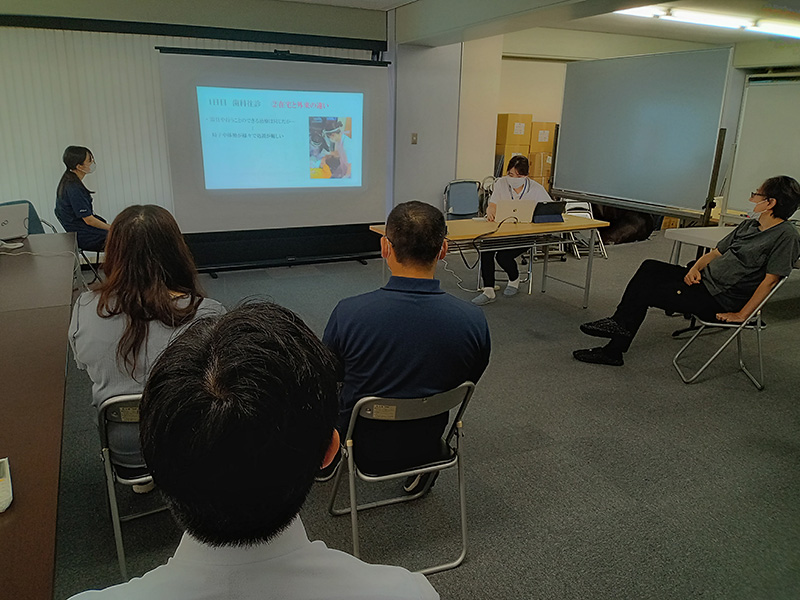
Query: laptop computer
[549, 212]
[13, 221]
[520, 210]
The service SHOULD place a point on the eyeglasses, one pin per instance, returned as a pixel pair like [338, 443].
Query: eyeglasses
[752, 194]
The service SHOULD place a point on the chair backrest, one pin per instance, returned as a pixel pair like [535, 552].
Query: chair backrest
[117, 409]
[34, 222]
[579, 209]
[461, 198]
[410, 409]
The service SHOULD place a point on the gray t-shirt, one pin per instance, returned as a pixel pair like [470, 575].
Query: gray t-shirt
[748, 254]
[94, 342]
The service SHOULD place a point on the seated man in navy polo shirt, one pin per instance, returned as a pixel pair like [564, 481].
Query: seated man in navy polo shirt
[408, 339]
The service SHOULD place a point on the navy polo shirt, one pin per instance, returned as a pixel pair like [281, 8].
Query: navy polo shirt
[408, 339]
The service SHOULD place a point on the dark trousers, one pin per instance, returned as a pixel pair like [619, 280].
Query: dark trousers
[92, 238]
[507, 259]
[660, 285]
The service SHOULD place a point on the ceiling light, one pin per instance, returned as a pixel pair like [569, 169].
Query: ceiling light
[776, 28]
[643, 11]
[704, 18]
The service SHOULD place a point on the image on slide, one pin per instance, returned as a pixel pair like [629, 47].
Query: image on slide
[328, 141]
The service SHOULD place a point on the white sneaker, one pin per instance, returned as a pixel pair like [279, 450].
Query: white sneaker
[145, 488]
[482, 299]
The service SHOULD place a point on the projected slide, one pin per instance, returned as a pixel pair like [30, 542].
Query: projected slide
[264, 139]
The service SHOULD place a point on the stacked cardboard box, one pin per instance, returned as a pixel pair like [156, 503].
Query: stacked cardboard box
[543, 137]
[513, 138]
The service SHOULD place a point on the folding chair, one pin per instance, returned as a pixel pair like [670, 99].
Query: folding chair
[754, 323]
[95, 268]
[461, 199]
[121, 409]
[583, 209]
[409, 409]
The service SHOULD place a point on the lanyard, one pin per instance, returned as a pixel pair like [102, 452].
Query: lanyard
[522, 193]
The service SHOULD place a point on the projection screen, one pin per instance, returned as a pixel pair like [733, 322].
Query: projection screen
[268, 144]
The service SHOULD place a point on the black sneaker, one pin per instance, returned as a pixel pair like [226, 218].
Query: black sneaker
[605, 328]
[415, 483]
[599, 356]
[327, 473]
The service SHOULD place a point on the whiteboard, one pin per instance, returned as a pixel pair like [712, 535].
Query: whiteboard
[767, 144]
[643, 129]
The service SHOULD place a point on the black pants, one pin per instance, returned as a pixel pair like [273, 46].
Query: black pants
[92, 238]
[660, 285]
[507, 259]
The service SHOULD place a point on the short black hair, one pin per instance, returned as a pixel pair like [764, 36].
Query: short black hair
[236, 418]
[786, 192]
[520, 163]
[416, 231]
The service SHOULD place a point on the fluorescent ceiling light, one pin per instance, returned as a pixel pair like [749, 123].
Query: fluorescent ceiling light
[776, 28]
[643, 11]
[704, 18]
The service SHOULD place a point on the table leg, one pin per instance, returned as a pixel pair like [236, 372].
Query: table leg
[675, 255]
[589, 262]
[544, 266]
[532, 251]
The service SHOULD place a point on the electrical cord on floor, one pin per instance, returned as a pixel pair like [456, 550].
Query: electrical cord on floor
[474, 244]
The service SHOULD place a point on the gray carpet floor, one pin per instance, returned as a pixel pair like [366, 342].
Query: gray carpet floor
[583, 481]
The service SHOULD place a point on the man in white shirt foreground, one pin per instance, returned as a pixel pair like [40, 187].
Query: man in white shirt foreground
[236, 419]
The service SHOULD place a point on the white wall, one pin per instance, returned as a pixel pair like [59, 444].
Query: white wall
[478, 108]
[532, 87]
[100, 90]
[427, 99]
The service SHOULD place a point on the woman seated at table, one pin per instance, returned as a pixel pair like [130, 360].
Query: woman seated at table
[726, 284]
[74, 208]
[515, 186]
[150, 293]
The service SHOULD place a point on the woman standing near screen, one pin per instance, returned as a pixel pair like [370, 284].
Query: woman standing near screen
[515, 186]
[74, 208]
[150, 293]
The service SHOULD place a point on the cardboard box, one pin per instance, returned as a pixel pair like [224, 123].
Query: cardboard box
[504, 154]
[513, 129]
[670, 223]
[543, 181]
[543, 136]
[541, 164]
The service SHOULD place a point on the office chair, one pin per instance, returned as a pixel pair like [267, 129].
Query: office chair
[385, 409]
[461, 199]
[35, 224]
[754, 323]
[121, 409]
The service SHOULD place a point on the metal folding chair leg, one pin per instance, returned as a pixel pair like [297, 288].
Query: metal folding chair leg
[115, 520]
[354, 507]
[758, 326]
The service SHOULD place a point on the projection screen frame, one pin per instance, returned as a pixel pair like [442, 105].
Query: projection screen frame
[256, 248]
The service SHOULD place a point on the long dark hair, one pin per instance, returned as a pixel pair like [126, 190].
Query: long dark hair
[147, 262]
[73, 156]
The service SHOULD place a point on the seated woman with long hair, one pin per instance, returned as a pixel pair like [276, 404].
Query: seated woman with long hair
[150, 293]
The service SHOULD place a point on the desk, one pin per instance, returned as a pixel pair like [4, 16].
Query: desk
[704, 237]
[35, 298]
[483, 235]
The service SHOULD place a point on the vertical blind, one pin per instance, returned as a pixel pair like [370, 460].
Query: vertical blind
[99, 90]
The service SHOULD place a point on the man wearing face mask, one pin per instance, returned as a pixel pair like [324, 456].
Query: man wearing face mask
[515, 186]
[726, 284]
